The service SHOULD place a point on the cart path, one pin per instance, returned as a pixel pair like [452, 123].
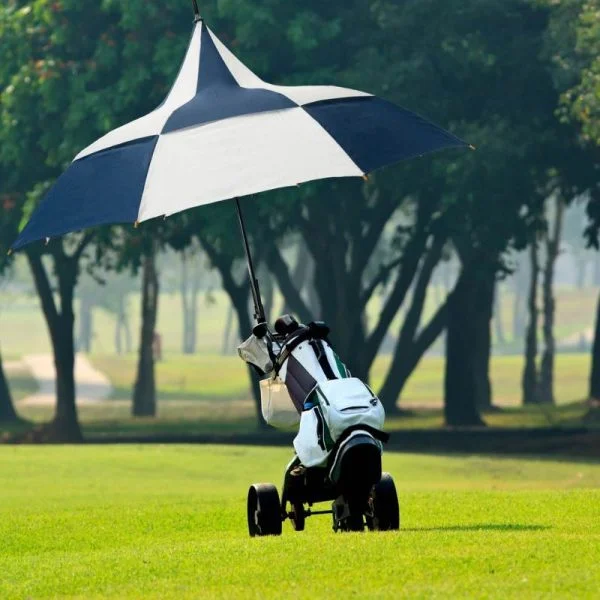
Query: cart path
[576, 340]
[92, 386]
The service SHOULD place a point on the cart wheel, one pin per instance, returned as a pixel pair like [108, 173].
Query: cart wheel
[264, 510]
[298, 517]
[384, 504]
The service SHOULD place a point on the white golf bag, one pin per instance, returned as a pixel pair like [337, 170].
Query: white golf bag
[308, 385]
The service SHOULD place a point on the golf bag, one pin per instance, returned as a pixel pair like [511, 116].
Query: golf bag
[308, 385]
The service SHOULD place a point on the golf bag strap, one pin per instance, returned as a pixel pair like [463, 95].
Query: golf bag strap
[314, 331]
[290, 346]
[319, 350]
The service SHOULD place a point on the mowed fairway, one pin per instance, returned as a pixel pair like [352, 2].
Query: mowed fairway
[169, 522]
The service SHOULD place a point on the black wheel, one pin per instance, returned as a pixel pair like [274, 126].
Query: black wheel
[264, 510]
[298, 517]
[384, 505]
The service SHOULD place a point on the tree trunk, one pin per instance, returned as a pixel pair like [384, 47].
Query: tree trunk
[289, 288]
[482, 349]
[122, 329]
[595, 373]
[86, 327]
[65, 425]
[7, 409]
[126, 328]
[462, 382]
[185, 308]
[226, 347]
[144, 394]
[300, 273]
[239, 296]
[499, 325]
[597, 270]
[517, 324]
[119, 326]
[520, 280]
[189, 287]
[530, 375]
[412, 344]
[268, 293]
[546, 388]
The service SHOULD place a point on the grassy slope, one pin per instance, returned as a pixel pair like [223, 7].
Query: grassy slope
[158, 522]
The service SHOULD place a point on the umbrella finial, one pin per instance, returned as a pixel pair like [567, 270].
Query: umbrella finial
[197, 16]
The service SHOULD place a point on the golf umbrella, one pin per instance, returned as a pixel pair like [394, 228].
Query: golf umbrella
[223, 133]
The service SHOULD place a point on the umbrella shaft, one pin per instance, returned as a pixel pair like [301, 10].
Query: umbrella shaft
[196, 9]
[259, 311]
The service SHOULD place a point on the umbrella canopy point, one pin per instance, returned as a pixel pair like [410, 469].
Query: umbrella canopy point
[223, 133]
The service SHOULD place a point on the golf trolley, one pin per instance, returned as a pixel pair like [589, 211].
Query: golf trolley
[340, 437]
[353, 481]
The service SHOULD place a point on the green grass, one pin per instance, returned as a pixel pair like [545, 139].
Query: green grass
[209, 394]
[182, 377]
[179, 418]
[169, 522]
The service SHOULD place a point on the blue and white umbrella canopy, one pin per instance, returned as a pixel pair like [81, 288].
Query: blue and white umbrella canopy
[223, 133]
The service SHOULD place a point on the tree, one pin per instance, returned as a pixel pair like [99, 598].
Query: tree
[8, 414]
[144, 394]
[530, 372]
[39, 58]
[8, 203]
[553, 238]
[76, 70]
[189, 290]
[574, 40]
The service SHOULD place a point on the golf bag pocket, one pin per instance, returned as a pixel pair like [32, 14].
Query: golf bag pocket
[346, 403]
[277, 407]
[313, 442]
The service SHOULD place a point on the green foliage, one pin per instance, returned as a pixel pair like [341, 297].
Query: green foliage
[580, 22]
[573, 46]
[169, 522]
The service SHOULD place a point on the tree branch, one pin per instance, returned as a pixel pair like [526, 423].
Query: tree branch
[44, 291]
[383, 274]
[85, 241]
[415, 312]
[292, 296]
[411, 259]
